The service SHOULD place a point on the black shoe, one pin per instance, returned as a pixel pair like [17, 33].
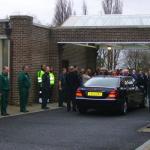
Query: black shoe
[45, 108]
[74, 109]
[5, 114]
[68, 110]
[26, 111]
[61, 106]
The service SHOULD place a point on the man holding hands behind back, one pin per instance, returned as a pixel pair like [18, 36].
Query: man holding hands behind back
[24, 86]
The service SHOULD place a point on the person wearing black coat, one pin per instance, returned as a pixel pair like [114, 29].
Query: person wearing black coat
[142, 82]
[72, 83]
[148, 86]
[45, 88]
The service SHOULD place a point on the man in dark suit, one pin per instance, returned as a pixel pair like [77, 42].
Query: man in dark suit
[148, 87]
[45, 88]
[72, 83]
[142, 82]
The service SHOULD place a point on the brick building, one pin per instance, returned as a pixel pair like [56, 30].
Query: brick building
[23, 42]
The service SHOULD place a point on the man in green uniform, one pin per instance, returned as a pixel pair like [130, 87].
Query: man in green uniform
[24, 86]
[4, 90]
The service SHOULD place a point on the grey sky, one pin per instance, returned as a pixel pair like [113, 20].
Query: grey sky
[43, 10]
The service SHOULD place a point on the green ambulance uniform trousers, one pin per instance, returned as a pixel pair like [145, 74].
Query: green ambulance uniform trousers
[24, 95]
[4, 101]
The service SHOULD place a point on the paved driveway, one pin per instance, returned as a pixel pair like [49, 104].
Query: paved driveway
[60, 130]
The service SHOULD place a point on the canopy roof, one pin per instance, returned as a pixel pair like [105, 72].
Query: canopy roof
[140, 21]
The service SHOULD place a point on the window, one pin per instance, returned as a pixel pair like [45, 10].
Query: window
[102, 82]
[4, 54]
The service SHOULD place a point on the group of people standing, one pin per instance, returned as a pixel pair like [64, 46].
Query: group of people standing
[24, 84]
[70, 79]
[73, 77]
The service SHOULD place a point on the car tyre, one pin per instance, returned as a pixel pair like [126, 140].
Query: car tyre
[143, 103]
[124, 108]
[82, 110]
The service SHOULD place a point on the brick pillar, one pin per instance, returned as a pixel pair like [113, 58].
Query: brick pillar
[60, 52]
[20, 50]
[55, 62]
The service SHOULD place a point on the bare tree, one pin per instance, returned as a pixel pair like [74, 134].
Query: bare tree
[101, 58]
[133, 58]
[63, 10]
[112, 6]
[107, 6]
[111, 56]
[84, 8]
[116, 57]
[117, 7]
[108, 58]
[137, 59]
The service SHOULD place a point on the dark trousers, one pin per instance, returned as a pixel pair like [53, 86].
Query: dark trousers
[24, 96]
[4, 101]
[71, 99]
[62, 97]
[45, 97]
[39, 93]
[51, 93]
[148, 95]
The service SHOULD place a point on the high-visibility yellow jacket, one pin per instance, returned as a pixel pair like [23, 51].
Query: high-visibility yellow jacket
[52, 78]
[39, 76]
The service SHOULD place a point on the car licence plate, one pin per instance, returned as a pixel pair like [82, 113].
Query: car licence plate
[95, 94]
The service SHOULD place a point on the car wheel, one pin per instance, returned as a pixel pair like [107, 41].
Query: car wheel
[124, 108]
[82, 110]
[143, 103]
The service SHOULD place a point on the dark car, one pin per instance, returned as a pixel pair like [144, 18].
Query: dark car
[107, 92]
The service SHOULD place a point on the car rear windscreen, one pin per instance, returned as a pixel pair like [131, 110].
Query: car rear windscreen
[102, 82]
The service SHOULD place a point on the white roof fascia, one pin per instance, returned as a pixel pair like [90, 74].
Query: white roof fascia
[3, 37]
[4, 20]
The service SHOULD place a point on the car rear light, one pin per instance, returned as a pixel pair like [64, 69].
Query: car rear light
[113, 94]
[79, 93]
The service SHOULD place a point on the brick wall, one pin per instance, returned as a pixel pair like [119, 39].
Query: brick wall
[29, 46]
[71, 53]
[39, 52]
[35, 45]
[20, 52]
[102, 34]
[81, 56]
